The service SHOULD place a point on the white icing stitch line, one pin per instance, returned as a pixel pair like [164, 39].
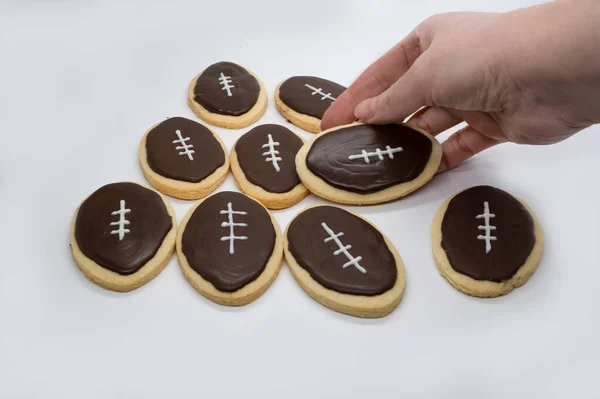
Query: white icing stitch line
[272, 153]
[343, 249]
[184, 146]
[232, 237]
[121, 231]
[389, 151]
[225, 81]
[319, 91]
[488, 237]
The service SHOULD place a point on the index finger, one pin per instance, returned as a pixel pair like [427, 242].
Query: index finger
[373, 81]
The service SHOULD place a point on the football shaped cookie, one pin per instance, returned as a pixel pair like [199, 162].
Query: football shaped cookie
[230, 248]
[123, 235]
[303, 100]
[227, 95]
[345, 263]
[486, 242]
[263, 164]
[368, 164]
[183, 158]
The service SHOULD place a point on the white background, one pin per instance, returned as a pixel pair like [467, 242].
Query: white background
[80, 82]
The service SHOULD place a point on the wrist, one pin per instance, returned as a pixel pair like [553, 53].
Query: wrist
[551, 50]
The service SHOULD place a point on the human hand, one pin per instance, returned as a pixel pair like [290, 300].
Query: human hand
[531, 76]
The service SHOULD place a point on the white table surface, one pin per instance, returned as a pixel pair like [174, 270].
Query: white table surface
[80, 82]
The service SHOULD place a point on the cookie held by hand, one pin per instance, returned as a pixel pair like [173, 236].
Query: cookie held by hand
[264, 167]
[486, 242]
[363, 164]
[230, 248]
[227, 95]
[123, 235]
[183, 158]
[343, 262]
[303, 100]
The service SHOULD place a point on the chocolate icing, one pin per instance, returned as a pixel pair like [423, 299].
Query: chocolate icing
[149, 223]
[209, 256]
[209, 91]
[301, 99]
[328, 157]
[165, 159]
[258, 171]
[306, 237]
[515, 236]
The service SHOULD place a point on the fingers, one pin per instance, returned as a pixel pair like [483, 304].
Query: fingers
[373, 81]
[484, 123]
[462, 145]
[434, 120]
[403, 98]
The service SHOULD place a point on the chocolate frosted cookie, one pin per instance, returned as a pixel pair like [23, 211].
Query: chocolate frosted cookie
[303, 100]
[486, 242]
[123, 235]
[263, 164]
[183, 158]
[343, 261]
[227, 95]
[368, 164]
[229, 248]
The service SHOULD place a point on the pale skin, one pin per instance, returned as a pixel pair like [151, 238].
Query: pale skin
[530, 76]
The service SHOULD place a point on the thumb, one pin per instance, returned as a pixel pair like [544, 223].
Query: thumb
[406, 96]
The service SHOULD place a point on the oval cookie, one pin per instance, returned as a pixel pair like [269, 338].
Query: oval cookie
[263, 164]
[227, 95]
[486, 242]
[183, 158]
[123, 235]
[303, 100]
[368, 164]
[344, 262]
[230, 248]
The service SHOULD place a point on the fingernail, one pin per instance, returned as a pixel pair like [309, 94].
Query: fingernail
[364, 111]
[422, 124]
[418, 121]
